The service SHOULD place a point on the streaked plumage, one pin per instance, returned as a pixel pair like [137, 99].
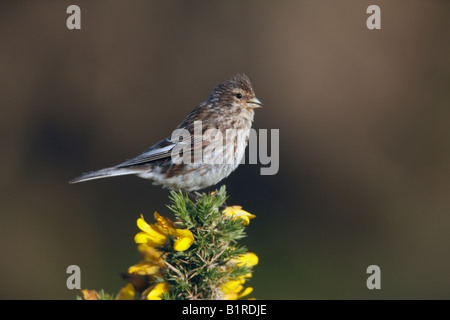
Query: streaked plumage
[230, 106]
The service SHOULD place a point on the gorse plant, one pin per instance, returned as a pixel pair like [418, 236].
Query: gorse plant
[196, 257]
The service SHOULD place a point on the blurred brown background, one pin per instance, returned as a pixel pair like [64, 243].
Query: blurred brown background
[364, 138]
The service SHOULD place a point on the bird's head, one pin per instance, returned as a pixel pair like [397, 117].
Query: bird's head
[237, 92]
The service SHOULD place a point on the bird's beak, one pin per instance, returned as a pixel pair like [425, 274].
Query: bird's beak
[254, 103]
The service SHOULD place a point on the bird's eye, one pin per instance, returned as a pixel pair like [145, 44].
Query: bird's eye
[238, 95]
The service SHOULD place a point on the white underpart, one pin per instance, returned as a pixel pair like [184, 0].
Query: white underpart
[207, 173]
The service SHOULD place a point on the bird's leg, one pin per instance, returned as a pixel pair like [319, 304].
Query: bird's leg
[223, 205]
[194, 196]
[191, 196]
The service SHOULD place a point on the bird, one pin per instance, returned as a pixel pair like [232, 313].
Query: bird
[209, 145]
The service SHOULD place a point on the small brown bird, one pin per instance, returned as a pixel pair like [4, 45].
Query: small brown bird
[225, 120]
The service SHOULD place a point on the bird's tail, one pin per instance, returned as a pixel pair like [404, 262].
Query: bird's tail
[103, 173]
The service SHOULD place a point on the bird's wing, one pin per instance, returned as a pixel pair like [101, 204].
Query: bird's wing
[161, 150]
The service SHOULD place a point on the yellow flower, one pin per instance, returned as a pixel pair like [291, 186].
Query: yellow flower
[150, 235]
[157, 291]
[126, 293]
[184, 239]
[234, 289]
[156, 234]
[151, 264]
[238, 213]
[90, 294]
[164, 224]
[144, 268]
[150, 254]
[248, 259]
